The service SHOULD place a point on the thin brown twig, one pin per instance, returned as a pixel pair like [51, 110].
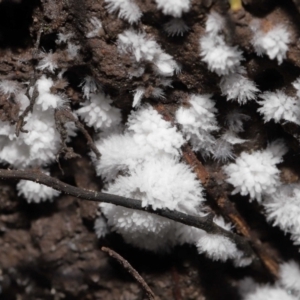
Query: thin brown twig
[21, 121]
[131, 270]
[63, 116]
[205, 223]
[176, 287]
[227, 208]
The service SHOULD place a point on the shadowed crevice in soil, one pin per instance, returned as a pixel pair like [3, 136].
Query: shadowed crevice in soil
[15, 20]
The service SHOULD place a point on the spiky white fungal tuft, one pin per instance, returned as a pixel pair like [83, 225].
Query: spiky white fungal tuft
[175, 27]
[279, 106]
[101, 227]
[128, 9]
[174, 8]
[35, 192]
[97, 28]
[283, 208]
[237, 87]
[98, 112]
[49, 62]
[145, 49]
[198, 121]
[63, 38]
[274, 42]
[289, 277]
[220, 57]
[216, 247]
[8, 87]
[255, 173]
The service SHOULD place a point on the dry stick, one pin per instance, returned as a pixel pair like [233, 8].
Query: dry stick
[229, 209]
[63, 116]
[21, 122]
[205, 223]
[226, 206]
[131, 270]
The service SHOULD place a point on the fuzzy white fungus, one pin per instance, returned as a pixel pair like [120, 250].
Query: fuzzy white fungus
[237, 87]
[279, 106]
[175, 27]
[198, 121]
[273, 42]
[35, 192]
[255, 173]
[174, 8]
[127, 9]
[98, 112]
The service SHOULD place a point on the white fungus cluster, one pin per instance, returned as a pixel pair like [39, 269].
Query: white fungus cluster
[34, 192]
[198, 121]
[142, 160]
[174, 8]
[149, 170]
[286, 287]
[238, 87]
[273, 42]
[223, 149]
[256, 174]
[220, 57]
[98, 113]
[49, 62]
[152, 173]
[282, 209]
[143, 50]
[278, 106]
[225, 60]
[38, 142]
[127, 9]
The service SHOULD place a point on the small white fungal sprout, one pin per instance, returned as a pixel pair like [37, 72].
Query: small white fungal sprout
[176, 27]
[97, 28]
[223, 150]
[198, 121]
[63, 38]
[138, 95]
[101, 227]
[128, 9]
[235, 119]
[238, 87]
[35, 192]
[49, 62]
[216, 247]
[89, 86]
[8, 87]
[72, 50]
